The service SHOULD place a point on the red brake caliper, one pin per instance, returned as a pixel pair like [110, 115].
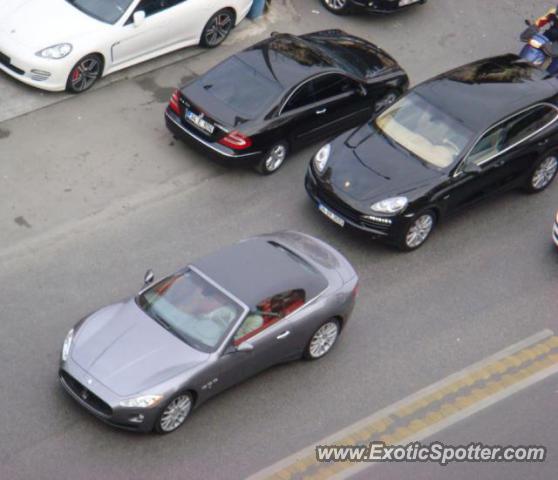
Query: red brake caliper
[75, 75]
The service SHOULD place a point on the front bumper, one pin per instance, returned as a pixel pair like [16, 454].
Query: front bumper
[28, 68]
[103, 402]
[353, 218]
[383, 6]
[215, 151]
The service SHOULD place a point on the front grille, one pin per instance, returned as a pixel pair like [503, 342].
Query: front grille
[7, 62]
[330, 200]
[85, 395]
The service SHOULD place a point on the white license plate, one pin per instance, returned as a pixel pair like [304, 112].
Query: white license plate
[404, 3]
[332, 216]
[200, 121]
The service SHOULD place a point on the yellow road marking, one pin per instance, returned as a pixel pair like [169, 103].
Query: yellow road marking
[430, 409]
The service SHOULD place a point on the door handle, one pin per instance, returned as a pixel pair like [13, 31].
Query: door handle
[283, 335]
[321, 111]
[543, 142]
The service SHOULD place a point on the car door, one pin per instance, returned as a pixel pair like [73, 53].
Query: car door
[166, 23]
[322, 107]
[272, 334]
[500, 157]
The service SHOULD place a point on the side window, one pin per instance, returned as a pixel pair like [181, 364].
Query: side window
[268, 312]
[320, 89]
[529, 123]
[151, 7]
[512, 132]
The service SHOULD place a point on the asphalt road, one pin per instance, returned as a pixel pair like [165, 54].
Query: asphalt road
[94, 191]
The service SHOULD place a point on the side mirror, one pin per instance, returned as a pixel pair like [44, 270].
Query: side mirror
[148, 277]
[470, 167]
[245, 347]
[139, 17]
[362, 91]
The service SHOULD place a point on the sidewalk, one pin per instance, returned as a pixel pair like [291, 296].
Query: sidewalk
[18, 99]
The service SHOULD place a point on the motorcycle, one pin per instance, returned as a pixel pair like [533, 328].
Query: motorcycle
[539, 50]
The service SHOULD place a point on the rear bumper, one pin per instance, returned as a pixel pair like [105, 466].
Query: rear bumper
[383, 6]
[102, 402]
[215, 151]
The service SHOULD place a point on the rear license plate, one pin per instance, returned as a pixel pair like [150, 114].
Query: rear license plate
[199, 121]
[332, 216]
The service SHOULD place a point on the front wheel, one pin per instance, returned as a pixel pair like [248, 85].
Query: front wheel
[217, 29]
[339, 7]
[84, 74]
[174, 414]
[273, 159]
[418, 231]
[543, 173]
[323, 340]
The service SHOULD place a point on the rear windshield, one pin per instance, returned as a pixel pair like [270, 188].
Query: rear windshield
[240, 87]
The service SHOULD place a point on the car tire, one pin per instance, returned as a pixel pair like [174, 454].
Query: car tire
[85, 73]
[339, 7]
[322, 340]
[543, 173]
[174, 413]
[217, 29]
[389, 98]
[274, 159]
[418, 231]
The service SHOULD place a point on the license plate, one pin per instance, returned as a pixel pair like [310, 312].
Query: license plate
[404, 3]
[332, 216]
[199, 121]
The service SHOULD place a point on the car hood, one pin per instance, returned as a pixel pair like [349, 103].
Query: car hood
[39, 23]
[365, 165]
[129, 352]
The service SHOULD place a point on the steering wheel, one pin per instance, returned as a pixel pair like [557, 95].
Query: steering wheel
[222, 316]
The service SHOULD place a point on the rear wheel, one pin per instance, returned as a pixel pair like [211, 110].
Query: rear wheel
[273, 159]
[340, 7]
[85, 73]
[543, 173]
[323, 340]
[217, 29]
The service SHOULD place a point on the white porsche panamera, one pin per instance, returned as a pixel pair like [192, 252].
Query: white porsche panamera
[69, 44]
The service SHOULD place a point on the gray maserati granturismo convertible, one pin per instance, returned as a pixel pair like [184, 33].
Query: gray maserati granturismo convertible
[145, 363]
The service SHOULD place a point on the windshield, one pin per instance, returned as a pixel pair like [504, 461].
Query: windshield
[108, 11]
[425, 130]
[191, 308]
[240, 87]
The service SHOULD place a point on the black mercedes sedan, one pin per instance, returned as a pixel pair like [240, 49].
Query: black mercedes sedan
[456, 139]
[341, 7]
[284, 93]
[146, 362]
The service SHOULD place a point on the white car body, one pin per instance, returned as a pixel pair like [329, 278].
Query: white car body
[29, 26]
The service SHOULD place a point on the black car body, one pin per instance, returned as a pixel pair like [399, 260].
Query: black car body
[448, 143]
[371, 6]
[286, 91]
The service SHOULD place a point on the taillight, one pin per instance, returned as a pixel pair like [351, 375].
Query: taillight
[174, 103]
[236, 141]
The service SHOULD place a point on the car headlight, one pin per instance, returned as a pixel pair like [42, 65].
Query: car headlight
[145, 401]
[321, 158]
[391, 205]
[67, 345]
[55, 51]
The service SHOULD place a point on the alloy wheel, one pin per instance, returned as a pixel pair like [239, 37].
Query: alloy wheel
[323, 339]
[419, 231]
[336, 4]
[175, 413]
[85, 74]
[218, 29]
[275, 158]
[544, 173]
